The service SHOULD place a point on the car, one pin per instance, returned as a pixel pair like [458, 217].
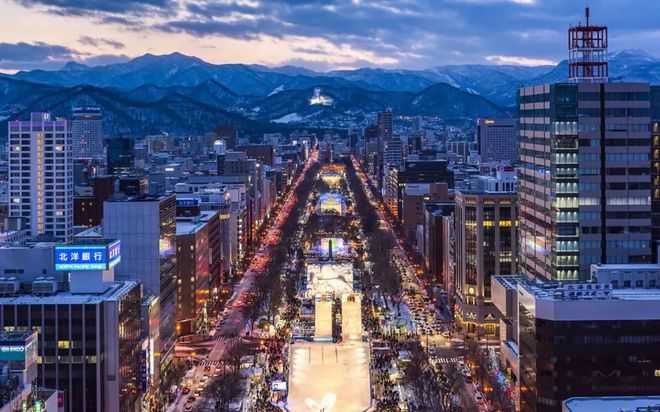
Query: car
[478, 397]
[185, 390]
[468, 380]
[188, 407]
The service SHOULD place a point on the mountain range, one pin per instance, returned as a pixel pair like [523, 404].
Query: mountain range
[183, 94]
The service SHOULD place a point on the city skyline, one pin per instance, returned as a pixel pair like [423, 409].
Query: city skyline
[316, 35]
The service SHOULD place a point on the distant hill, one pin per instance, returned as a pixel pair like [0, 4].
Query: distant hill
[184, 94]
[436, 100]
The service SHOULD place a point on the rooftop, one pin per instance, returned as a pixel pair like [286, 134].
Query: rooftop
[114, 291]
[613, 403]
[141, 198]
[191, 225]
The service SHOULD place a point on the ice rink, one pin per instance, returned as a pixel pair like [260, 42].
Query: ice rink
[329, 377]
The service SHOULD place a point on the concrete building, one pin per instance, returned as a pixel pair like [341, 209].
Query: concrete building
[88, 326]
[87, 133]
[146, 226]
[18, 372]
[198, 263]
[88, 207]
[497, 140]
[385, 123]
[422, 171]
[577, 340]
[655, 176]
[486, 246]
[585, 180]
[41, 176]
[120, 155]
[439, 243]
[412, 204]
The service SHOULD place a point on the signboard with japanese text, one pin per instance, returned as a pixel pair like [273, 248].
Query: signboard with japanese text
[87, 257]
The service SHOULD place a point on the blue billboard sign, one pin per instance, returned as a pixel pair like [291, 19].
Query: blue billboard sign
[87, 256]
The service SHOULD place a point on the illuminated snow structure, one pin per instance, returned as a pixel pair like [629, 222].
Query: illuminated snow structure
[332, 179]
[332, 204]
[331, 248]
[320, 100]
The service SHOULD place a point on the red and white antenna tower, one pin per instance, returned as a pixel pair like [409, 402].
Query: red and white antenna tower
[587, 52]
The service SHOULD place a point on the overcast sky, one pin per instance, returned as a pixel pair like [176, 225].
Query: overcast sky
[318, 34]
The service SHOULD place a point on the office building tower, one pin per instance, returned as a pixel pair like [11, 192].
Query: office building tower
[414, 196]
[146, 226]
[655, 170]
[486, 246]
[385, 125]
[87, 133]
[578, 339]
[497, 140]
[439, 243]
[120, 155]
[585, 180]
[393, 152]
[421, 171]
[228, 133]
[196, 235]
[41, 176]
[263, 153]
[88, 325]
[88, 208]
[18, 363]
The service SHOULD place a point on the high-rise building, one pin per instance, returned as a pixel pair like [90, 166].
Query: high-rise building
[87, 133]
[196, 235]
[585, 180]
[228, 133]
[393, 152]
[497, 140]
[385, 125]
[120, 155]
[146, 226]
[88, 325]
[438, 247]
[422, 171]
[414, 196]
[655, 169]
[579, 339]
[88, 208]
[41, 176]
[486, 246]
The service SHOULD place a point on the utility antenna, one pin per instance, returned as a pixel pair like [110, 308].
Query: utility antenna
[587, 52]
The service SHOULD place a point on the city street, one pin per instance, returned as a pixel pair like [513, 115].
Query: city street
[233, 321]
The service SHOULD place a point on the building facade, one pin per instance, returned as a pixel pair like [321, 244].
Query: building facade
[196, 238]
[585, 179]
[87, 133]
[88, 344]
[146, 227]
[580, 339]
[486, 246]
[497, 140]
[41, 176]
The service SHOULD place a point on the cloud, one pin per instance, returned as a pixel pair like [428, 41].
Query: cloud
[39, 55]
[21, 56]
[519, 61]
[405, 33]
[105, 59]
[100, 42]
[88, 7]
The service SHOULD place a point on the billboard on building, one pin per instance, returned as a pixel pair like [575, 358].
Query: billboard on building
[87, 256]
